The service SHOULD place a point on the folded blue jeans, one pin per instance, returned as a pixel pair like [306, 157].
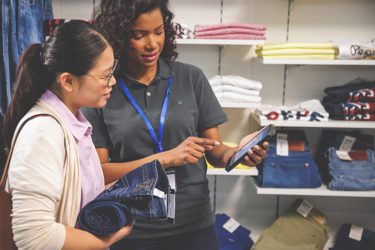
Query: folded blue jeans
[239, 239]
[297, 170]
[141, 193]
[356, 175]
[344, 242]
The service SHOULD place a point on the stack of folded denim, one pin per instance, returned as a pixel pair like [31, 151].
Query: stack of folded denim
[141, 193]
[347, 160]
[236, 89]
[351, 237]
[291, 168]
[297, 51]
[311, 110]
[239, 31]
[352, 101]
[304, 230]
[232, 236]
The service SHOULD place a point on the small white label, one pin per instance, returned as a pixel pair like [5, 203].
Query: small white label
[305, 208]
[231, 225]
[356, 233]
[282, 147]
[159, 193]
[343, 155]
[347, 143]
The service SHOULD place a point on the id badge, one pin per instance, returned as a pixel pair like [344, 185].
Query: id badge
[171, 200]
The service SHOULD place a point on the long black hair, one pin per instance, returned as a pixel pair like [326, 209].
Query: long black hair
[73, 47]
[116, 17]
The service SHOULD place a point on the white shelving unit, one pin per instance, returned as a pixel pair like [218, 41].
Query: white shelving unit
[321, 191]
[222, 42]
[317, 62]
[238, 172]
[307, 124]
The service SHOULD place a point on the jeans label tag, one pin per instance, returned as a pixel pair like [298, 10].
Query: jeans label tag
[158, 193]
[343, 155]
[171, 207]
[231, 225]
[347, 143]
[356, 233]
[282, 147]
[305, 208]
[172, 179]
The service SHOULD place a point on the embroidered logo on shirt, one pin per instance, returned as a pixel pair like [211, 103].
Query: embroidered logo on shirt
[179, 102]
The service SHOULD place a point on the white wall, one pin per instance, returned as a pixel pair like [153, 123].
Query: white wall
[310, 21]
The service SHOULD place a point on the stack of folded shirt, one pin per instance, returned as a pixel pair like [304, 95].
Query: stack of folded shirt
[346, 160]
[356, 51]
[239, 31]
[236, 89]
[303, 227]
[354, 101]
[311, 110]
[297, 51]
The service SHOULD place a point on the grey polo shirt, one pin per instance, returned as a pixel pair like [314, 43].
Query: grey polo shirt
[193, 108]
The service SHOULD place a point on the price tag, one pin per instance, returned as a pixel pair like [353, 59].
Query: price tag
[343, 155]
[282, 147]
[305, 208]
[231, 225]
[347, 143]
[356, 233]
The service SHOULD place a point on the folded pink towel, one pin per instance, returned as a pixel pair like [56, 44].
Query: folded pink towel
[226, 31]
[233, 36]
[229, 25]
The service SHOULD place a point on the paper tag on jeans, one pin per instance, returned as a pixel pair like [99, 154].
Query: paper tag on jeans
[172, 179]
[305, 208]
[356, 233]
[282, 147]
[343, 155]
[231, 225]
[158, 193]
[347, 143]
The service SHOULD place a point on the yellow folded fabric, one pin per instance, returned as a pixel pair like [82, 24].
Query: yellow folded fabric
[328, 57]
[297, 52]
[239, 166]
[297, 45]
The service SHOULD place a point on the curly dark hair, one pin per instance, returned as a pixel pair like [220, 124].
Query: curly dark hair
[116, 16]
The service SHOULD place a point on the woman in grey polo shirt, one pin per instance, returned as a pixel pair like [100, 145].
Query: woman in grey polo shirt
[160, 109]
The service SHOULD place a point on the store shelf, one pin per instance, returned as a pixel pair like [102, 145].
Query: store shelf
[307, 124]
[318, 62]
[321, 191]
[239, 105]
[221, 171]
[218, 42]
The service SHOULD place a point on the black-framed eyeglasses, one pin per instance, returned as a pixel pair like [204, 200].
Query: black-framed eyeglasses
[109, 77]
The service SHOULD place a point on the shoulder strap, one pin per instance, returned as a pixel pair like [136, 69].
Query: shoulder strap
[6, 167]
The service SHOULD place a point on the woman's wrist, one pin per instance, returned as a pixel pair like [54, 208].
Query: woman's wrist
[164, 159]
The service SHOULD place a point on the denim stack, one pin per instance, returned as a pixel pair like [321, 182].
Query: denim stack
[21, 26]
[347, 160]
[363, 239]
[354, 101]
[141, 193]
[232, 236]
[298, 169]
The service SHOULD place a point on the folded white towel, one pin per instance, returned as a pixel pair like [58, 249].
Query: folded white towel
[235, 89]
[235, 97]
[237, 81]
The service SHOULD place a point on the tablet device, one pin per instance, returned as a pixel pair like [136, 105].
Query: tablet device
[263, 135]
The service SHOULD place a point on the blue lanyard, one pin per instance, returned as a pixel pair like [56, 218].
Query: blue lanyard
[157, 141]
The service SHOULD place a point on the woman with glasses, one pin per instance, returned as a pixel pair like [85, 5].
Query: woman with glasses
[54, 169]
[160, 109]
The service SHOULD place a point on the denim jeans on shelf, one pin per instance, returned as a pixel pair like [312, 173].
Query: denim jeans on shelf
[344, 242]
[334, 138]
[356, 175]
[137, 194]
[239, 239]
[297, 170]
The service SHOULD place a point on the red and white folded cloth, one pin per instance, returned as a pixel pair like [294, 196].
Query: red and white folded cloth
[242, 31]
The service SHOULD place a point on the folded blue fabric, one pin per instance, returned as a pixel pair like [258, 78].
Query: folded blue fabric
[141, 193]
[239, 239]
[344, 242]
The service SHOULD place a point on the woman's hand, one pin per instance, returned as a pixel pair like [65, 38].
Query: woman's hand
[120, 234]
[188, 152]
[255, 155]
